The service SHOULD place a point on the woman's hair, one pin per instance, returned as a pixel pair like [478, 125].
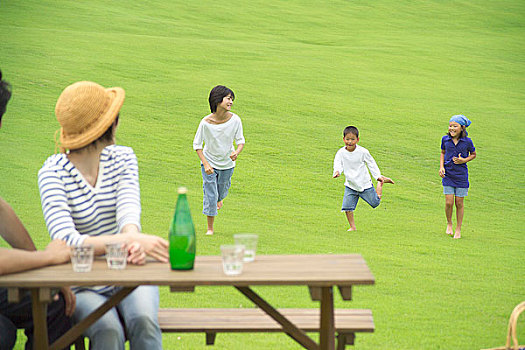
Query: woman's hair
[5, 95]
[217, 94]
[463, 132]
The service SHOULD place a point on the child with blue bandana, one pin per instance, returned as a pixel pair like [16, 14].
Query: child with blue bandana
[456, 150]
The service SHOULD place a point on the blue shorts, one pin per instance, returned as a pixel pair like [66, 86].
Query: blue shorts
[457, 191]
[215, 187]
[351, 197]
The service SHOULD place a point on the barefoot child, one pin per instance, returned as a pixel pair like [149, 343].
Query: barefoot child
[218, 131]
[456, 150]
[353, 160]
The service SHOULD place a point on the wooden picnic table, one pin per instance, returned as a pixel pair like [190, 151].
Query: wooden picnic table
[318, 272]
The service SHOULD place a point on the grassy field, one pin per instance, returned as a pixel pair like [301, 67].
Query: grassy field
[301, 72]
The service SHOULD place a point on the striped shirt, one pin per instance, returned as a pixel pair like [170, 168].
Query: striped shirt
[74, 210]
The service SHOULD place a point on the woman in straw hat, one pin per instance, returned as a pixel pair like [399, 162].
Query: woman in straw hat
[90, 195]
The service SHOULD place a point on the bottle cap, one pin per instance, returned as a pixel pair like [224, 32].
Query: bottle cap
[182, 190]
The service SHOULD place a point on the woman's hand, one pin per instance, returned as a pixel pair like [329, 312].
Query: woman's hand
[136, 254]
[154, 246]
[442, 171]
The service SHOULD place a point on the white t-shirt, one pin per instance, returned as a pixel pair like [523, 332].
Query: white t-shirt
[218, 141]
[354, 166]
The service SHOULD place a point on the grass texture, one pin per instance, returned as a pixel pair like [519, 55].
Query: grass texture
[301, 72]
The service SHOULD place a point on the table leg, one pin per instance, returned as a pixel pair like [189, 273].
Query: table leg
[288, 327]
[327, 329]
[70, 336]
[39, 308]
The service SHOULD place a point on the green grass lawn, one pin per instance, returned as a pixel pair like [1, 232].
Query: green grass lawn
[302, 71]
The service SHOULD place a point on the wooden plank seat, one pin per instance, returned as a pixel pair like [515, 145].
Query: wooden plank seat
[253, 320]
[213, 321]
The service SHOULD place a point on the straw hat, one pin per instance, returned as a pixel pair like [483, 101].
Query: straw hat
[85, 110]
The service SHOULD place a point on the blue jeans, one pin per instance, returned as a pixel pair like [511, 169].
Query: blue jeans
[19, 315]
[215, 187]
[351, 197]
[138, 312]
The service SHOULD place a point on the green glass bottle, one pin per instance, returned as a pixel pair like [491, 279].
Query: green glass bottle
[182, 235]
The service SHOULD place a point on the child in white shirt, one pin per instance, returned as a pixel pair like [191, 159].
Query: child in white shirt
[353, 160]
[217, 131]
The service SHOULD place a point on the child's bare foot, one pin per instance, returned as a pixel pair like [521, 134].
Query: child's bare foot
[449, 229]
[457, 235]
[352, 229]
[209, 232]
[219, 205]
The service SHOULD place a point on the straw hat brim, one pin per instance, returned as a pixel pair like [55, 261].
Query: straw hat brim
[97, 129]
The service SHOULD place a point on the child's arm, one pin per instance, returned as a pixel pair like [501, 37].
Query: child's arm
[459, 160]
[338, 165]
[207, 167]
[442, 164]
[236, 153]
[372, 166]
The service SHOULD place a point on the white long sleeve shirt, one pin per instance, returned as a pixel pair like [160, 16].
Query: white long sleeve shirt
[218, 141]
[354, 166]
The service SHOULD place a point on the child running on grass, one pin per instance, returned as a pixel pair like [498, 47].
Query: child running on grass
[353, 160]
[218, 131]
[456, 150]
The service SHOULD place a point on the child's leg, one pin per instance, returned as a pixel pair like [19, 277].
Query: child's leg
[350, 218]
[209, 202]
[372, 196]
[211, 219]
[449, 206]
[223, 185]
[350, 199]
[459, 215]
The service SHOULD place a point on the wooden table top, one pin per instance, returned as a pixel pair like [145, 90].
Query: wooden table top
[311, 270]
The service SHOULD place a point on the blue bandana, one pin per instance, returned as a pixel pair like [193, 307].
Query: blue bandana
[461, 120]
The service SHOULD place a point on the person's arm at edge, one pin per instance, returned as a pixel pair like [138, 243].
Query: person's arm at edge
[12, 229]
[16, 260]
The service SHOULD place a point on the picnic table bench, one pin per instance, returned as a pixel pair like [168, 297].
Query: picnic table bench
[254, 320]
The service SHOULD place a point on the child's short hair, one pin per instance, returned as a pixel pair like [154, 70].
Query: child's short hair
[351, 130]
[217, 94]
[5, 95]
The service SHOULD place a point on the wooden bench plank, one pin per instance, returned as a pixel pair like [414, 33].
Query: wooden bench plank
[255, 320]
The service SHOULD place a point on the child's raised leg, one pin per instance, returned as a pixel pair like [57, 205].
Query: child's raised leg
[460, 209]
[350, 218]
[449, 206]
[211, 219]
